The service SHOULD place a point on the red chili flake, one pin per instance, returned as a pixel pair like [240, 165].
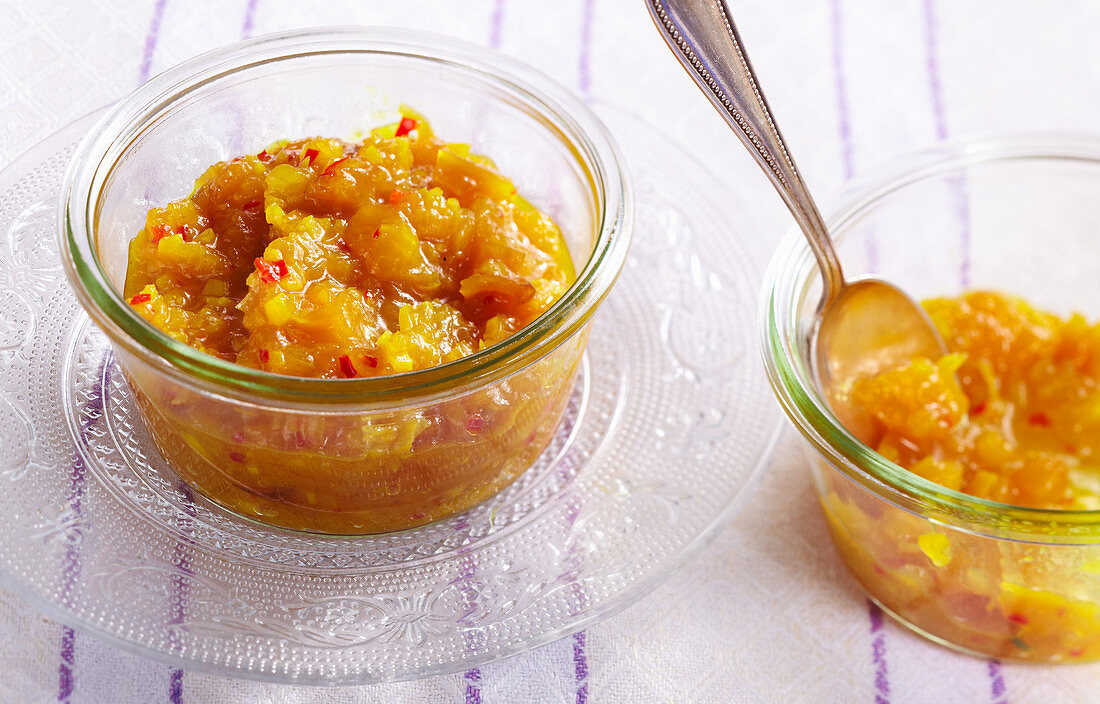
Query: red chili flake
[397, 195]
[271, 271]
[343, 246]
[264, 356]
[264, 156]
[253, 204]
[187, 232]
[978, 409]
[310, 154]
[1076, 652]
[475, 424]
[1041, 419]
[347, 367]
[370, 361]
[140, 298]
[159, 232]
[299, 439]
[377, 233]
[238, 436]
[329, 169]
[406, 125]
[1018, 618]
[236, 456]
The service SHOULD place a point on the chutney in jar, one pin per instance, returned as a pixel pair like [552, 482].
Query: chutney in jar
[324, 258]
[1010, 415]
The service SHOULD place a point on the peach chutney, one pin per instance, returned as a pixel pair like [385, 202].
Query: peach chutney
[324, 258]
[1011, 414]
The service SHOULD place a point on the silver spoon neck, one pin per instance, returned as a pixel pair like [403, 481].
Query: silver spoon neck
[704, 38]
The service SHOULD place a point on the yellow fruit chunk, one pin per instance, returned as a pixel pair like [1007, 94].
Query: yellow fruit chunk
[937, 547]
[278, 310]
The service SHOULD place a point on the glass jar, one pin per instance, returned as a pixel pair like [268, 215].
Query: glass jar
[347, 456]
[1017, 214]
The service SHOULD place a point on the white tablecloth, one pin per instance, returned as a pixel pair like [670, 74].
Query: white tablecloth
[767, 613]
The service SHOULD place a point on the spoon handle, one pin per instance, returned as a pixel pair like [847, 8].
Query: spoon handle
[703, 37]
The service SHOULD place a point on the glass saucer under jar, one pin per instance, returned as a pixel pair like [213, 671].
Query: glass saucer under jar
[665, 434]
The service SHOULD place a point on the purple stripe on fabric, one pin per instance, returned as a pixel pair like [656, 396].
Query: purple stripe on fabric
[466, 574]
[584, 78]
[181, 586]
[962, 213]
[496, 24]
[997, 683]
[249, 18]
[580, 667]
[65, 675]
[844, 117]
[93, 410]
[878, 654]
[580, 660]
[71, 565]
[568, 466]
[175, 689]
[939, 114]
[932, 58]
[473, 690]
[151, 41]
[572, 512]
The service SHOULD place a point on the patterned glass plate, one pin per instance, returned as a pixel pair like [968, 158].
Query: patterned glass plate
[669, 425]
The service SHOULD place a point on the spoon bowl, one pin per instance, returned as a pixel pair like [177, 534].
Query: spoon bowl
[870, 327]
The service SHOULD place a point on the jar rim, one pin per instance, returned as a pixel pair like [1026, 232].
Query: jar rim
[574, 124]
[787, 282]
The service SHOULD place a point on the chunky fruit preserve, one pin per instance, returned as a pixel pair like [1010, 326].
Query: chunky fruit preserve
[328, 259]
[1010, 415]
[323, 258]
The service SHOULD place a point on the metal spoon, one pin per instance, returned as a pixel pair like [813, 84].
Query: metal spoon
[864, 326]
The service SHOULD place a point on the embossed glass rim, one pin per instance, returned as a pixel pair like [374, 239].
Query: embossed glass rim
[788, 282]
[564, 115]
